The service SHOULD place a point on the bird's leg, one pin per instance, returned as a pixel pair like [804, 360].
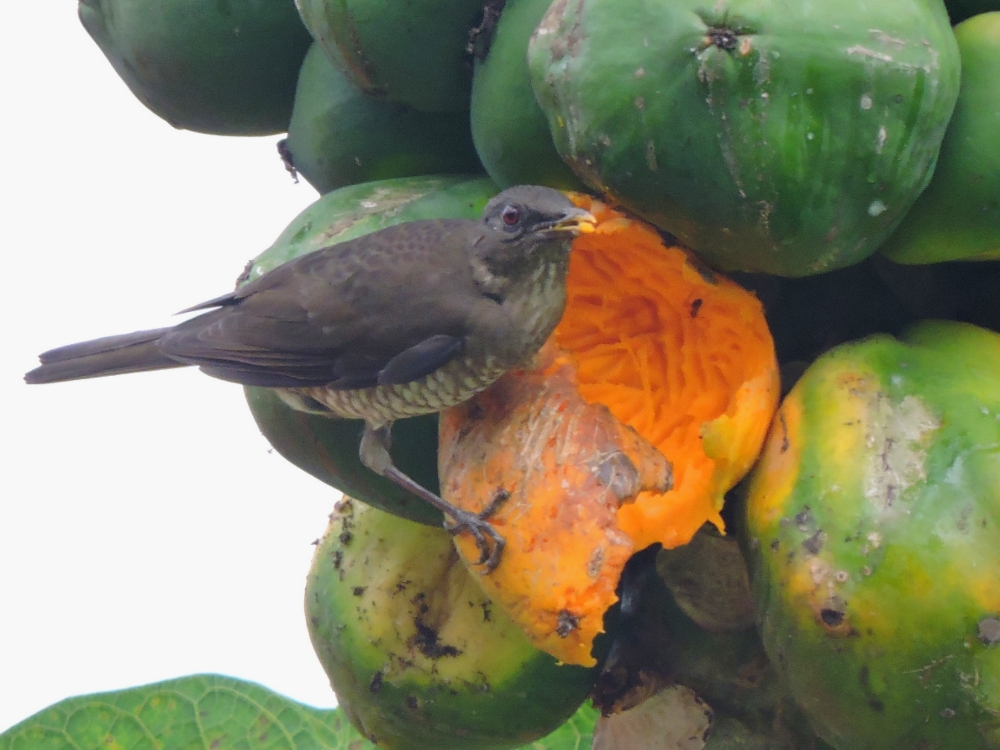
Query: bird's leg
[374, 453]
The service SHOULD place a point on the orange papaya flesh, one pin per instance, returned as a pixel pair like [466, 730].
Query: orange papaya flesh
[658, 363]
[568, 465]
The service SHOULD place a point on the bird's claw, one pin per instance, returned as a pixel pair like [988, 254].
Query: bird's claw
[479, 526]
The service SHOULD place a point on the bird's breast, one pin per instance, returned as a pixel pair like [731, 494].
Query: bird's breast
[447, 386]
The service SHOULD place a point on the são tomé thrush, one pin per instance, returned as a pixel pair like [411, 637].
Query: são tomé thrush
[407, 320]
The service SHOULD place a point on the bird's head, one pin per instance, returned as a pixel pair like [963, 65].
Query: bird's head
[526, 218]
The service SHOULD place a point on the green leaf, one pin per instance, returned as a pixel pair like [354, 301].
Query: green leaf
[575, 734]
[211, 712]
[201, 712]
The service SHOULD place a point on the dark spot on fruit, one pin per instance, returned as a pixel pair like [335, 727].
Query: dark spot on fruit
[376, 683]
[358, 590]
[695, 307]
[345, 537]
[989, 630]
[723, 38]
[427, 642]
[566, 623]
[775, 545]
[832, 617]
[804, 518]
[412, 703]
[874, 703]
[814, 544]
[487, 614]
[948, 713]
[338, 559]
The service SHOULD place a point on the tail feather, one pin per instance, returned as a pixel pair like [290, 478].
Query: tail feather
[111, 355]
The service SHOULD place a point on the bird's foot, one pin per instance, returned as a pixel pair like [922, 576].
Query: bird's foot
[479, 526]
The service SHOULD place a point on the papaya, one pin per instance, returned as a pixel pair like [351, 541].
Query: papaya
[650, 400]
[412, 53]
[339, 135]
[509, 129]
[780, 136]
[958, 216]
[872, 532]
[328, 448]
[227, 68]
[418, 655]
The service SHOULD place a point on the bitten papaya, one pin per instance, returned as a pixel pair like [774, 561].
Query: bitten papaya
[651, 399]
[777, 136]
[873, 534]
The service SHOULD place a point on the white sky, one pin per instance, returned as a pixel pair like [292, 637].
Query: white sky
[146, 531]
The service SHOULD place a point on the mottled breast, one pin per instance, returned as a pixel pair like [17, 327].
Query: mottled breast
[458, 381]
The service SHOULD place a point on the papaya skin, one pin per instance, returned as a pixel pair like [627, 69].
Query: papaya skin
[220, 68]
[958, 216]
[779, 137]
[340, 135]
[508, 127]
[418, 655]
[411, 53]
[872, 529]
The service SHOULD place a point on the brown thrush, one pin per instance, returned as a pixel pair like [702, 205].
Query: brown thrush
[408, 320]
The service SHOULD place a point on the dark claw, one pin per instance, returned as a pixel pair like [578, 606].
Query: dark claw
[478, 525]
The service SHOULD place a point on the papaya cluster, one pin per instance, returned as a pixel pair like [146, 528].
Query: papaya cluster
[784, 332]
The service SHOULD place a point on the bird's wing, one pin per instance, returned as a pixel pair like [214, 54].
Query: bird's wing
[353, 315]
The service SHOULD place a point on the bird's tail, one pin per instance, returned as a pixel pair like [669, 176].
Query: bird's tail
[111, 355]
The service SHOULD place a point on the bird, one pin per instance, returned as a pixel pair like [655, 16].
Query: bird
[408, 320]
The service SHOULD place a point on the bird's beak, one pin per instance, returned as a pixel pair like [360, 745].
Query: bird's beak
[575, 220]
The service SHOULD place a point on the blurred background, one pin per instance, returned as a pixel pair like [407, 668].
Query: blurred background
[147, 531]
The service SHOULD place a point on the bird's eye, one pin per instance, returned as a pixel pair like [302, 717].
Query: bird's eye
[511, 216]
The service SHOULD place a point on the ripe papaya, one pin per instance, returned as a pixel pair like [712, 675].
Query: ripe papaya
[412, 53]
[224, 67]
[418, 655]
[328, 448]
[958, 216]
[339, 135]
[872, 529]
[783, 137]
[508, 127]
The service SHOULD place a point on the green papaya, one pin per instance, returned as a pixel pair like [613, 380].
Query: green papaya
[509, 129]
[778, 136]
[226, 67]
[328, 448]
[339, 135]
[872, 529]
[411, 53]
[958, 216]
[418, 655]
